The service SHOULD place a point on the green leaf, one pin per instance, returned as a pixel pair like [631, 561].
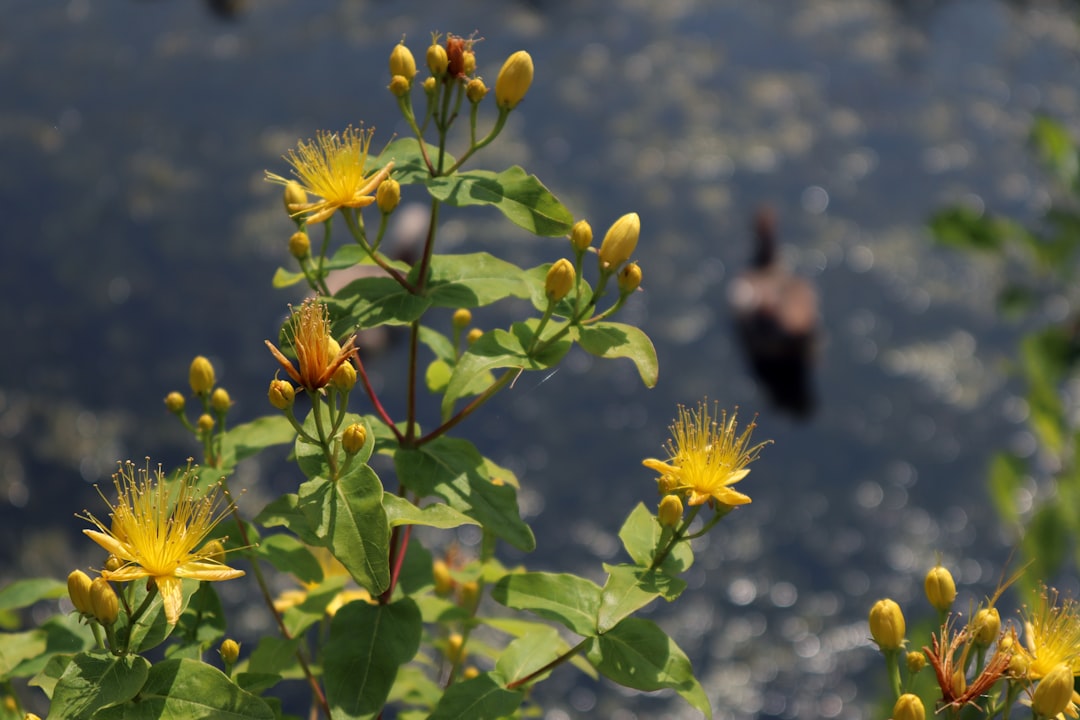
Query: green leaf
[15, 648]
[638, 654]
[183, 689]
[454, 470]
[528, 653]
[480, 698]
[367, 645]
[1006, 478]
[371, 301]
[49, 675]
[616, 340]
[24, 593]
[473, 280]
[310, 457]
[285, 512]
[521, 197]
[641, 536]
[276, 656]
[437, 376]
[248, 439]
[630, 588]
[415, 688]
[289, 555]
[348, 517]
[965, 228]
[1045, 541]
[312, 609]
[409, 166]
[62, 634]
[535, 280]
[402, 512]
[1056, 149]
[203, 621]
[568, 599]
[93, 681]
[285, 278]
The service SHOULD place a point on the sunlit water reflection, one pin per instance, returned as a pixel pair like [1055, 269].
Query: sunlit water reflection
[140, 232]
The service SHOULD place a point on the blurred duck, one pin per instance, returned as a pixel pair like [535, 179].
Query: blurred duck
[776, 314]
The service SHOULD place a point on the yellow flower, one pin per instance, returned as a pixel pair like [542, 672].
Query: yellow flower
[317, 353]
[1052, 635]
[158, 539]
[331, 167]
[706, 456]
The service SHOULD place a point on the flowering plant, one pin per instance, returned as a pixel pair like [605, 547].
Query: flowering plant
[378, 618]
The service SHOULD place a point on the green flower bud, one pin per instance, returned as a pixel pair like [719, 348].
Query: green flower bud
[940, 588]
[281, 394]
[220, 401]
[353, 438]
[299, 245]
[670, 511]
[201, 376]
[916, 661]
[476, 90]
[887, 625]
[985, 626]
[388, 195]
[620, 241]
[402, 62]
[175, 402]
[103, 600]
[560, 280]
[514, 80]
[205, 423]
[78, 584]
[399, 86]
[581, 235]
[429, 86]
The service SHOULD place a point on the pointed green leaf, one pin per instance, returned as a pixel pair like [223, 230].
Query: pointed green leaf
[480, 698]
[642, 535]
[310, 457]
[49, 675]
[568, 599]
[61, 635]
[183, 689]
[616, 340]
[437, 376]
[368, 643]
[638, 654]
[248, 439]
[473, 280]
[97, 680]
[289, 555]
[285, 278]
[349, 518]
[402, 512]
[285, 512]
[528, 653]
[275, 656]
[203, 622]
[440, 345]
[521, 197]
[454, 470]
[1006, 478]
[630, 588]
[23, 593]
[371, 301]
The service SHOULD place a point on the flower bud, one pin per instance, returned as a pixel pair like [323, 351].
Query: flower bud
[201, 375]
[670, 511]
[940, 588]
[468, 62]
[281, 394]
[294, 195]
[103, 600]
[666, 484]
[220, 401]
[909, 707]
[455, 647]
[474, 335]
[444, 584]
[620, 241]
[78, 584]
[476, 90]
[31, 716]
[230, 652]
[560, 280]
[113, 563]
[174, 402]
[399, 86]
[388, 195]
[402, 62]
[214, 551]
[1019, 664]
[344, 378]
[629, 278]
[915, 661]
[299, 245]
[353, 438]
[887, 625]
[437, 60]
[1054, 692]
[469, 595]
[985, 626]
[581, 235]
[205, 423]
[462, 318]
[470, 672]
[429, 86]
[514, 80]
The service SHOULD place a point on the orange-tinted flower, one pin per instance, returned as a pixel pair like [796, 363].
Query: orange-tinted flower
[318, 355]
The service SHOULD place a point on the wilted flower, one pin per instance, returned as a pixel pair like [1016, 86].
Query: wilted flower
[158, 539]
[706, 456]
[332, 167]
[316, 355]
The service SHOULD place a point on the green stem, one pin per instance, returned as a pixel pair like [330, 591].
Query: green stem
[469, 409]
[353, 223]
[550, 666]
[676, 538]
[500, 122]
[892, 664]
[324, 442]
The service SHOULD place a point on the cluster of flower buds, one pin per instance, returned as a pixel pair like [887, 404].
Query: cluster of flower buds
[982, 662]
[215, 401]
